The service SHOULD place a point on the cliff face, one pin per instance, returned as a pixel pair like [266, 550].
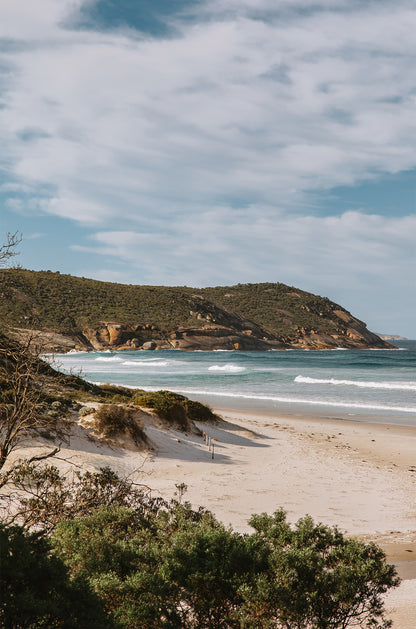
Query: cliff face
[75, 313]
[118, 336]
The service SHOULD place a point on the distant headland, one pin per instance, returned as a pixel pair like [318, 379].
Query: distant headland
[73, 313]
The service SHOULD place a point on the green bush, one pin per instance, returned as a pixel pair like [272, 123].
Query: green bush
[116, 394]
[86, 410]
[114, 420]
[169, 406]
[175, 408]
[37, 590]
[183, 569]
[197, 411]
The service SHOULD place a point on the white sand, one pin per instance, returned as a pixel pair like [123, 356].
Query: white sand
[359, 476]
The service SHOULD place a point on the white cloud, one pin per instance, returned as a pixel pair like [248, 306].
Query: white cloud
[229, 109]
[350, 248]
[367, 257]
[28, 21]
[193, 156]
[34, 236]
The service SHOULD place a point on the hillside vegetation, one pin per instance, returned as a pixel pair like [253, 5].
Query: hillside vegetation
[246, 316]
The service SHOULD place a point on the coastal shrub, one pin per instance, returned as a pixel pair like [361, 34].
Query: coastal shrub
[123, 563]
[116, 394]
[86, 410]
[114, 420]
[168, 405]
[175, 408]
[44, 497]
[37, 590]
[199, 412]
[317, 578]
[184, 569]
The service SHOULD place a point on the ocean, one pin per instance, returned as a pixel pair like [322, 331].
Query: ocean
[363, 385]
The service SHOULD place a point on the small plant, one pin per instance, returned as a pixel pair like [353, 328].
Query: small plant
[175, 408]
[197, 411]
[114, 421]
[116, 394]
[86, 410]
[169, 406]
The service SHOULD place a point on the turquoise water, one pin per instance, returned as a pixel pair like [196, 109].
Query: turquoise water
[368, 385]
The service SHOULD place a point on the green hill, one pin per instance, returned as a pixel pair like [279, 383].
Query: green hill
[98, 314]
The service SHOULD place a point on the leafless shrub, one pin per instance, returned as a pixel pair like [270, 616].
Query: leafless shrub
[40, 496]
[22, 396]
[8, 250]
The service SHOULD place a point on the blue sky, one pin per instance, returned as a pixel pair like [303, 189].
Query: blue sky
[212, 142]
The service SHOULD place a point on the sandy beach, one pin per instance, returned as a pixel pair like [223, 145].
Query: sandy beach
[358, 476]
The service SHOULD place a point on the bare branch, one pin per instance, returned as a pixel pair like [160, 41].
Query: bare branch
[40, 496]
[23, 412]
[8, 250]
[43, 457]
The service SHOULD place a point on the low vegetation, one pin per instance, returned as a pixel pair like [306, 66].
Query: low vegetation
[144, 562]
[114, 420]
[66, 304]
[37, 590]
[174, 408]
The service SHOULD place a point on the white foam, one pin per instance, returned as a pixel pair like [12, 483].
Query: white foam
[270, 398]
[227, 368]
[149, 363]
[394, 386]
[113, 359]
[290, 400]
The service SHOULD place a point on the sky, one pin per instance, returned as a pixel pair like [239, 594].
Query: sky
[215, 142]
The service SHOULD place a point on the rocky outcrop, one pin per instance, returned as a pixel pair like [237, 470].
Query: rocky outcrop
[78, 313]
[119, 337]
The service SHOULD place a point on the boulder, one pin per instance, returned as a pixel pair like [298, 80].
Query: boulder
[149, 345]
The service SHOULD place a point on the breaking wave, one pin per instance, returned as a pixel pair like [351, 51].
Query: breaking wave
[150, 363]
[394, 386]
[227, 368]
[292, 400]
